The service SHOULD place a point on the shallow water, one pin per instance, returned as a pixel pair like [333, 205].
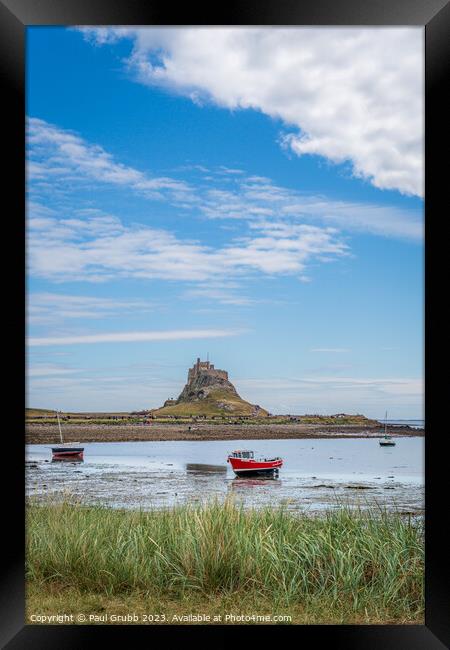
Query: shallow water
[317, 473]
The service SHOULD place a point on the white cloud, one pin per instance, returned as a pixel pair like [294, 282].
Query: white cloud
[348, 94]
[49, 370]
[135, 388]
[47, 307]
[223, 292]
[330, 350]
[403, 397]
[64, 157]
[131, 337]
[253, 199]
[102, 248]
[100, 392]
[258, 200]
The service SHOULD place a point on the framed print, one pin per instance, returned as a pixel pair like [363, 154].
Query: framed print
[220, 224]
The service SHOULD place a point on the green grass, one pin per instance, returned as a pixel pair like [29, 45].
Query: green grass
[208, 408]
[217, 402]
[344, 567]
[31, 412]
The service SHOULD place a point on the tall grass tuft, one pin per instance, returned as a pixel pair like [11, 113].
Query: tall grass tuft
[371, 561]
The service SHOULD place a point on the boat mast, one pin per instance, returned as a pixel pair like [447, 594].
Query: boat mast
[59, 425]
[385, 424]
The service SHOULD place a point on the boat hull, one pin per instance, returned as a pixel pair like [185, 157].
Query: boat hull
[261, 473]
[251, 468]
[67, 453]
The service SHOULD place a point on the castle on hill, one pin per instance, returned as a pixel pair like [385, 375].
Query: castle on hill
[205, 366]
[208, 392]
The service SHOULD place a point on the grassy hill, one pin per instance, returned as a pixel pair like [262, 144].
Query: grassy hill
[217, 402]
[34, 413]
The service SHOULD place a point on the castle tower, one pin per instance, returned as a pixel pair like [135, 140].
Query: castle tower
[205, 366]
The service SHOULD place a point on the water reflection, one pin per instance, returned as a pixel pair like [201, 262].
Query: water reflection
[201, 468]
[256, 480]
[257, 491]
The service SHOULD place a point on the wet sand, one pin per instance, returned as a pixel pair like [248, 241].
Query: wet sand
[49, 434]
[316, 474]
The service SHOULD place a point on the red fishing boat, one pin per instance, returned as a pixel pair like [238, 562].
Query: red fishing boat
[244, 463]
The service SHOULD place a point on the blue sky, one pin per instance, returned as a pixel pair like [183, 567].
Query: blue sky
[254, 194]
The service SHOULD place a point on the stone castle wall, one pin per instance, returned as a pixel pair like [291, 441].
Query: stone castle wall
[205, 366]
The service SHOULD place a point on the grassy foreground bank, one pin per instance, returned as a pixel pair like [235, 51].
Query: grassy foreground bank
[218, 559]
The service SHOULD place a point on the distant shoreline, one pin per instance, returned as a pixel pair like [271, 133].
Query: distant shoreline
[49, 434]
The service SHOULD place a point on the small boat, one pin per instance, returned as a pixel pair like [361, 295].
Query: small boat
[244, 463]
[66, 452]
[386, 441]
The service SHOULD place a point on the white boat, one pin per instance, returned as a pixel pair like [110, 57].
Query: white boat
[386, 441]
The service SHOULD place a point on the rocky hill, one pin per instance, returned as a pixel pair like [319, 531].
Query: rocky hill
[208, 392]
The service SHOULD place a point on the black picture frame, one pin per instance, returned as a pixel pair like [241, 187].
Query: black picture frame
[15, 17]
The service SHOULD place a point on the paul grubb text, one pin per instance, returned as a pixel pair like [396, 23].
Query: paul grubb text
[89, 619]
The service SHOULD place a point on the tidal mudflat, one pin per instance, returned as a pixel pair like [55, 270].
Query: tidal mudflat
[318, 474]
